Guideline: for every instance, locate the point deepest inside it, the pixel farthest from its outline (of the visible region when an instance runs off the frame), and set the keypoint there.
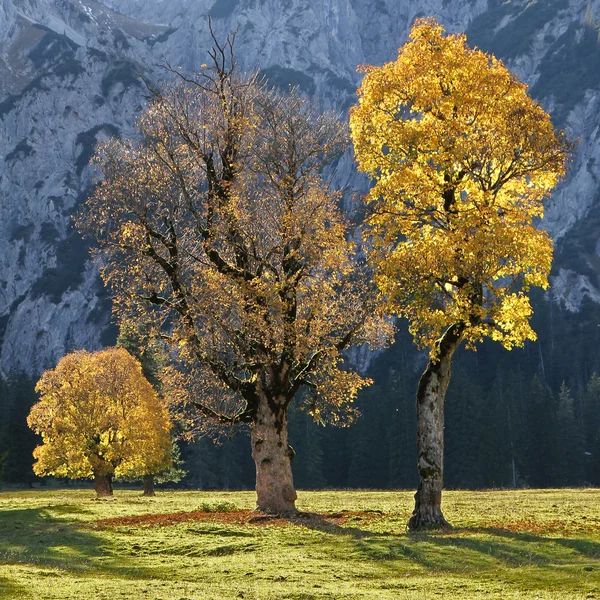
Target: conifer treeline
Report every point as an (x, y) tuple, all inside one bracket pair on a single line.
[(528, 417), (17, 441)]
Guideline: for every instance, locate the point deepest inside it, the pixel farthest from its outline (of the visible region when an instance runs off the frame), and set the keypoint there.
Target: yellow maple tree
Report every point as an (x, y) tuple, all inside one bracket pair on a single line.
[(462, 159), (99, 417)]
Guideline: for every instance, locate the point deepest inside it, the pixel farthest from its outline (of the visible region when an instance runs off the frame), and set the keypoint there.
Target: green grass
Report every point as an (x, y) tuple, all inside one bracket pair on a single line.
[(506, 544)]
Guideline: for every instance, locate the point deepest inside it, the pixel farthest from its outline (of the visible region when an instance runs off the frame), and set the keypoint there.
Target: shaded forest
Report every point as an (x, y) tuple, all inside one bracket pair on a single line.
[(526, 418)]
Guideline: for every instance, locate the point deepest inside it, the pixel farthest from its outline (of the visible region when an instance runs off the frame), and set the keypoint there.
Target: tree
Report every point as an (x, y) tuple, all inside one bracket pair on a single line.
[(307, 464), (462, 159), (151, 357), (201, 457), (145, 349), (18, 441), (497, 435), (591, 425), (570, 441), (462, 436), (218, 230), (99, 417), (541, 453), (171, 471)]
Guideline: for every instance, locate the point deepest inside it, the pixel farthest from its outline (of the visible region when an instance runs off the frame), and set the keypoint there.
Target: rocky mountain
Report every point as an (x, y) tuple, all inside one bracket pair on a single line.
[(69, 77)]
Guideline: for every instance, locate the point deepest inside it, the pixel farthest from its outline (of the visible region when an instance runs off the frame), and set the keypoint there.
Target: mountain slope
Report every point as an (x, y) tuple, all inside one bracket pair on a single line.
[(68, 72), (69, 78)]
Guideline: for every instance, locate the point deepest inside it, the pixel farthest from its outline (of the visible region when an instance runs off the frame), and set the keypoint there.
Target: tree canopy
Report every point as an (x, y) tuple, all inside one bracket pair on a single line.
[(462, 159), (99, 417), (218, 229)]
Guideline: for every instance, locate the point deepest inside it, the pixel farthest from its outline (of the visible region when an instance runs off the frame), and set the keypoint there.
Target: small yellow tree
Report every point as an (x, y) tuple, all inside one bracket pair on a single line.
[(99, 417), (462, 159)]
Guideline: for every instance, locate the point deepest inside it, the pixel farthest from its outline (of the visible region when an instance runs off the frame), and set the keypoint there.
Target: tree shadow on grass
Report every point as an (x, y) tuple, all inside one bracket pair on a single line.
[(585, 547), (450, 551), (35, 537), (534, 561), (426, 549), (68, 509), (328, 524), (501, 545), (10, 589)]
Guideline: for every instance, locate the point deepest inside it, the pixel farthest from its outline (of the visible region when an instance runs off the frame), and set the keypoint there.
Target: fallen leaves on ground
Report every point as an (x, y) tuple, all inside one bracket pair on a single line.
[(238, 517)]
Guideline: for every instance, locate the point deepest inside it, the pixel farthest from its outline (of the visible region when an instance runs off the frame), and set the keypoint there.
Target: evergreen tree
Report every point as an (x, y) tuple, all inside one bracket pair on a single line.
[(138, 343), (234, 464), (19, 440), (175, 473), (369, 437), (591, 425), (3, 403), (569, 468), (3, 422), (402, 427), (541, 449), (463, 456), (496, 447), (515, 422), (305, 438), (359, 475), (337, 453), (200, 459)]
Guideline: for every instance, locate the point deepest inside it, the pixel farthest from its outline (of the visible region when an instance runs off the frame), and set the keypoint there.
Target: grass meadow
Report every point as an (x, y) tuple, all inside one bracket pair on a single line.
[(205, 545)]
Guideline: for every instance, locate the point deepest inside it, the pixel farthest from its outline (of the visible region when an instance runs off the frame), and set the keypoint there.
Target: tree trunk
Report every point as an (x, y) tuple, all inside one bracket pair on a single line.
[(148, 485), (269, 437), (430, 433), (103, 485)]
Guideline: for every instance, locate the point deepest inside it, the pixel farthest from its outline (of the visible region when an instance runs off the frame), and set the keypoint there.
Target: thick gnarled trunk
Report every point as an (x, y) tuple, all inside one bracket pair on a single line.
[(103, 485), (148, 485), (269, 437), (431, 394)]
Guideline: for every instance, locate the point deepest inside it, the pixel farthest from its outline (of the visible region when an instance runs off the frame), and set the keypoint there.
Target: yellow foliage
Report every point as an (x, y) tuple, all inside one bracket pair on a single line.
[(218, 230), (462, 159), (99, 415)]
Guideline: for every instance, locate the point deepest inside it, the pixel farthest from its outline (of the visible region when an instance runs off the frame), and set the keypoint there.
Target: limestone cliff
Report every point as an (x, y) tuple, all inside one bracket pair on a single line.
[(69, 78)]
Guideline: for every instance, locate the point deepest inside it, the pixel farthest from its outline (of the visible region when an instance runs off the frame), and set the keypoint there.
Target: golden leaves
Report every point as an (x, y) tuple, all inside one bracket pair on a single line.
[(99, 415), (217, 227), (462, 159)]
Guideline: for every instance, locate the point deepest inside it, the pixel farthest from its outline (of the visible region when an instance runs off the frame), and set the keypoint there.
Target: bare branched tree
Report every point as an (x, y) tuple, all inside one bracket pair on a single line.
[(217, 229)]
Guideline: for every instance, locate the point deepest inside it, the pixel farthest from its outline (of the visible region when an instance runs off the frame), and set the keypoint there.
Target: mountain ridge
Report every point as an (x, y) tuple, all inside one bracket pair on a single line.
[(69, 79)]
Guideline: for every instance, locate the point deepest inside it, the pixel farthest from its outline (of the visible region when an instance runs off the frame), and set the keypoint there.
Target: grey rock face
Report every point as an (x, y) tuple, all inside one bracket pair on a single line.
[(68, 80), (315, 44)]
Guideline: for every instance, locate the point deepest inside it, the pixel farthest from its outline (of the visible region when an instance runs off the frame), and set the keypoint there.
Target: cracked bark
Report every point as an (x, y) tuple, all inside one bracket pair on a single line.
[(269, 437), (431, 394), (103, 485)]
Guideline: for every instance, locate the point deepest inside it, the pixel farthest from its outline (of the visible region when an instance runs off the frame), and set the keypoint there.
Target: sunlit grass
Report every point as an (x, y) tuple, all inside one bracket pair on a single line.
[(505, 544)]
